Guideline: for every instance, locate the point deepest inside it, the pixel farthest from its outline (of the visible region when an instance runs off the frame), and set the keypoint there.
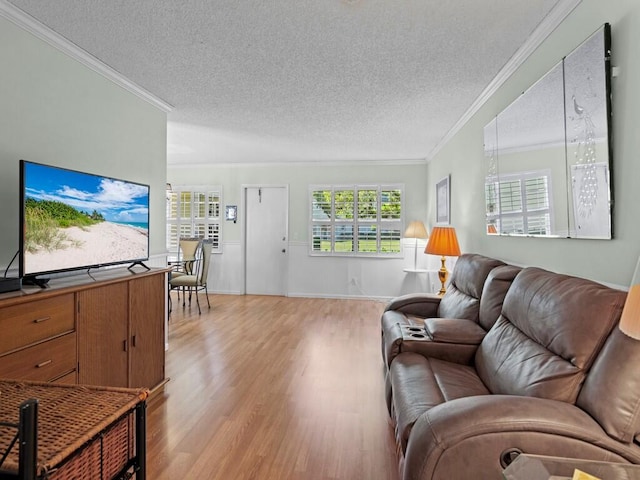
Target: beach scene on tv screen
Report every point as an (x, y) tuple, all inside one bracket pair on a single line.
[(74, 219)]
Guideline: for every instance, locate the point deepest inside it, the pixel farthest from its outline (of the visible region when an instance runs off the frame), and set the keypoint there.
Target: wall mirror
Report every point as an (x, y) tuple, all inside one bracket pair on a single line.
[(548, 154)]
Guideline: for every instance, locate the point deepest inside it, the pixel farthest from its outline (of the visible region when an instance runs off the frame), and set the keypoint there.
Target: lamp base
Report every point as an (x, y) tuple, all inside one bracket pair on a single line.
[(442, 276)]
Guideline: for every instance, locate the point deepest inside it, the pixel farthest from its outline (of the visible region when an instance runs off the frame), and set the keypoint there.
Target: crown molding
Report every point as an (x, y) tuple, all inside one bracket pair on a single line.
[(300, 163), (539, 35), (44, 33)]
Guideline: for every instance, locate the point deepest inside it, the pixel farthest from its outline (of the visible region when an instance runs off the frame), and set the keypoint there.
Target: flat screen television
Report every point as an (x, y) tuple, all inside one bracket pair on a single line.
[(71, 220)]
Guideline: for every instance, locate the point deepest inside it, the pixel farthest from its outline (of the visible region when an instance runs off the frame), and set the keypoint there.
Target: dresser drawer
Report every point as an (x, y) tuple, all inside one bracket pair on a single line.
[(31, 322), (67, 379), (43, 362)]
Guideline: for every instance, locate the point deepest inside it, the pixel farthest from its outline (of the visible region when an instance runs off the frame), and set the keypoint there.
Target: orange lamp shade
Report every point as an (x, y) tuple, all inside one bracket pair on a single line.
[(443, 241), (491, 228)]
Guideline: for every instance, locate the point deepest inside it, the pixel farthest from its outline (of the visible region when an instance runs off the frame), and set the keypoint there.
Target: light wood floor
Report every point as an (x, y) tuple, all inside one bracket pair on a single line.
[(272, 388)]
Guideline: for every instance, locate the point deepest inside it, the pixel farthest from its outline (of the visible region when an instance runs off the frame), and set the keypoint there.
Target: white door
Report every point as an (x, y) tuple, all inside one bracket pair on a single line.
[(266, 240)]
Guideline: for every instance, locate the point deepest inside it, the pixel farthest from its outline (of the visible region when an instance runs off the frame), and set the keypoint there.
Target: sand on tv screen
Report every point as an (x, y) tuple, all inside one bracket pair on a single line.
[(74, 220)]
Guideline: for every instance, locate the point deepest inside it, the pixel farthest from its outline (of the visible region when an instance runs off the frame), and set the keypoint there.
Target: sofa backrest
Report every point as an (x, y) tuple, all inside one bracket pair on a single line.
[(551, 329), (462, 299), (495, 289)]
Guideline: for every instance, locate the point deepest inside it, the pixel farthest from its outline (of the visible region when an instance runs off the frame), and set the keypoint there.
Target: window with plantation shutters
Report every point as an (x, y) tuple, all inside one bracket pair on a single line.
[(520, 203), (356, 220), (194, 213)]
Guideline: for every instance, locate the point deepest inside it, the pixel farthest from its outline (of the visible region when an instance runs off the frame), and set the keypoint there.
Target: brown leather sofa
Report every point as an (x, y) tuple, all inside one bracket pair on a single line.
[(552, 376)]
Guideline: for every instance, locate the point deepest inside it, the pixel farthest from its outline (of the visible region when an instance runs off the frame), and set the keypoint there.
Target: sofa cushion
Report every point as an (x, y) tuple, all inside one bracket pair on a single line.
[(511, 363), (420, 383), (611, 392), (462, 299), (495, 289), (454, 330), (551, 328)]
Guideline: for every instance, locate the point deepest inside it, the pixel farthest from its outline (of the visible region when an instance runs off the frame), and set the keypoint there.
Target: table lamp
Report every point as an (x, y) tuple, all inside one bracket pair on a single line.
[(416, 229), (630, 320), (443, 241)]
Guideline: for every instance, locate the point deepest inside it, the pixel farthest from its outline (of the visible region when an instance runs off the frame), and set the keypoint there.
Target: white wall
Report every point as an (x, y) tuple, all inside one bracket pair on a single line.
[(607, 261), (331, 277), (55, 110), (313, 275)]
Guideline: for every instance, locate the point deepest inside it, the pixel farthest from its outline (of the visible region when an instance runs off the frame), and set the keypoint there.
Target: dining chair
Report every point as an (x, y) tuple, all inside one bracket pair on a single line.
[(187, 247), (197, 280)]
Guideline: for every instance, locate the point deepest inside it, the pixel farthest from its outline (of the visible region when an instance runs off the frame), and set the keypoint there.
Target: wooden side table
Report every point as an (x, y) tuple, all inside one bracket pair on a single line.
[(81, 432)]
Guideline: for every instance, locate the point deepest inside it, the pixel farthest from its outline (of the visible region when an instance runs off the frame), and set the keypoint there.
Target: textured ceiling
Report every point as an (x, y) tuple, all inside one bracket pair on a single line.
[(253, 81)]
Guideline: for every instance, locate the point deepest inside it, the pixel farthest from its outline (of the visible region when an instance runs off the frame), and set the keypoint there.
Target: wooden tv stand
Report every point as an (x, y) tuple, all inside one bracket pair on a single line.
[(105, 328)]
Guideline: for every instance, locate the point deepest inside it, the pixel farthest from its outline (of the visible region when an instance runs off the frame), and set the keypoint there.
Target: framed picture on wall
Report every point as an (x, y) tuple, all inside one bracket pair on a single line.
[(443, 198), (231, 213)]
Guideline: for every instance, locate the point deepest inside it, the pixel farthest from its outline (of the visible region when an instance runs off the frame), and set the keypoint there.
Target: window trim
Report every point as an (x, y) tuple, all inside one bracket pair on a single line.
[(525, 213), (379, 222), (219, 220)]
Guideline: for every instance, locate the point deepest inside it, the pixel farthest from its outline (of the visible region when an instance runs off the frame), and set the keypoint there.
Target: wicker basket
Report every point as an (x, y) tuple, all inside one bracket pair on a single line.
[(83, 432)]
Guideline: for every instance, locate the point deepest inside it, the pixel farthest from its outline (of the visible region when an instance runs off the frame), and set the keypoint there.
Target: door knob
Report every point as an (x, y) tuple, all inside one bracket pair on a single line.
[(283, 250)]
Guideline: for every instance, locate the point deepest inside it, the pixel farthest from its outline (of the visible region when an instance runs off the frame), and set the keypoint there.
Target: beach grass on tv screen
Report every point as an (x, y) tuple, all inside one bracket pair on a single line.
[(45, 221)]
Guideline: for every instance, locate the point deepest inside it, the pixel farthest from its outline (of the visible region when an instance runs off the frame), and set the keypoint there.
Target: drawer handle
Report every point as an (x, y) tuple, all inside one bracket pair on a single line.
[(43, 364), (40, 320)]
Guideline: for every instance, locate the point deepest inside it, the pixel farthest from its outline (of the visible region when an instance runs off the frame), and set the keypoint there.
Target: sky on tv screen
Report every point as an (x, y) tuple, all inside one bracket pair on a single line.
[(116, 200)]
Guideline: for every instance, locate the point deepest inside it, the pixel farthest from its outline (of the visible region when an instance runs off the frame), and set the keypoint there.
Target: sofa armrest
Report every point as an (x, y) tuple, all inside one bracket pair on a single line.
[(449, 352), (420, 304), (396, 341), (466, 437), (454, 330)]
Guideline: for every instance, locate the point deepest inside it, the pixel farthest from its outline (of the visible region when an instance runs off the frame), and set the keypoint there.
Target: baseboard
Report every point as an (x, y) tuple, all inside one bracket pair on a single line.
[(312, 295), (225, 292), (339, 296)]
